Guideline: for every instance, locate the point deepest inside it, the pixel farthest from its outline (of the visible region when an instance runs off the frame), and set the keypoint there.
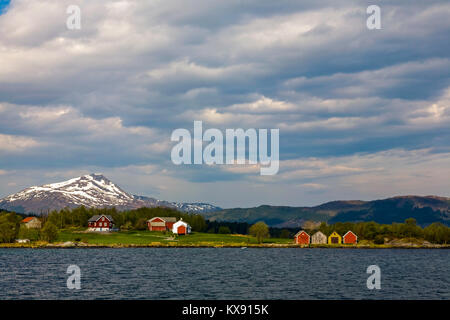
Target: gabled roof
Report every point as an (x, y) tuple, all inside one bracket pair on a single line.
[(98, 216), (318, 233), (166, 219), (181, 222), (301, 232), (350, 231), (27, 219), (334, 234)]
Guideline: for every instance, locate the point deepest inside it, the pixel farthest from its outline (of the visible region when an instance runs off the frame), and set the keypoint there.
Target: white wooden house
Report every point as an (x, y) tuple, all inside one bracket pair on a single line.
[(319, 238), (181, 227)]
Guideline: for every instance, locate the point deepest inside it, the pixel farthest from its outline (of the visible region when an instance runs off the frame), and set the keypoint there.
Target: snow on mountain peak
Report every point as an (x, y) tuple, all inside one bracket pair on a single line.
[(88, 190), (92, 190)]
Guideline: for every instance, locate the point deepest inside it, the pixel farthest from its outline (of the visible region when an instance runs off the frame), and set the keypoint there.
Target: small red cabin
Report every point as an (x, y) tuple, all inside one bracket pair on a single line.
[(302, 237), (161, 223), (350, 238)]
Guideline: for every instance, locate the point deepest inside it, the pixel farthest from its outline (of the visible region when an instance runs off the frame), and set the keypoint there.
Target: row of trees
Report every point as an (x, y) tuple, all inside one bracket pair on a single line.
[(11, 229), (137, 219), (124, 220), (435, 232), (9, 226)]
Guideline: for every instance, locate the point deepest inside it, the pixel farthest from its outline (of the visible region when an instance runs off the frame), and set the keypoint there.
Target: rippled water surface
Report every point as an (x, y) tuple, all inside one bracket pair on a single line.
[(224, 273)]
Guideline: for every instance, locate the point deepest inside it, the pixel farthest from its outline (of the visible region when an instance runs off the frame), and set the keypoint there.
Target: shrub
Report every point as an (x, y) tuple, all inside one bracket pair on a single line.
[(141, 224), (259, 230), (285, 234), (379, 239), (49, 232), (126, 226), (224, 230), (9, 227), (28, 233)]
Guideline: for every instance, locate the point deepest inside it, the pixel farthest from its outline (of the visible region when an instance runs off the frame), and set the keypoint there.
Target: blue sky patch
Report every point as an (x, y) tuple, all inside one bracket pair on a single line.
[(4, 5)]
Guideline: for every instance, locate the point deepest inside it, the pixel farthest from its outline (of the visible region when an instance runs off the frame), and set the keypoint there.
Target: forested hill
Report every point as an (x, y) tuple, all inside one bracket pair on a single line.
[(425, 209)]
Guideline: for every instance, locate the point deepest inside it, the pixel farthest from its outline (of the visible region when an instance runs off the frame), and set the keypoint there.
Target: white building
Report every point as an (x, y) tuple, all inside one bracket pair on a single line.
[(319, 238), (23, 240), (181, 227)]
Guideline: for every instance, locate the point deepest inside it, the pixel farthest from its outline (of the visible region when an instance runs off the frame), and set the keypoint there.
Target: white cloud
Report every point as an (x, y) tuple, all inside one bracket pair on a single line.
[(14, 144), (107, 96)]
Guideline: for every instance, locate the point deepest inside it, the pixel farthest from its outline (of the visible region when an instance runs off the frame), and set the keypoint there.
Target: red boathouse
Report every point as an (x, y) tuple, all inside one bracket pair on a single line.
[(350, 238), (302, 237)]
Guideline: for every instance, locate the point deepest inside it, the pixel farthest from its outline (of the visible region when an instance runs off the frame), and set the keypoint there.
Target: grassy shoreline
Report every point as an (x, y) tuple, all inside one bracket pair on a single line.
[(78, 238)]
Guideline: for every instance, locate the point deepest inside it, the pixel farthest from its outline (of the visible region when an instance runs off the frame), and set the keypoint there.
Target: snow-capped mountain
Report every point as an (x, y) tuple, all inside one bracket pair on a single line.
[(93, 190), (198, 207)]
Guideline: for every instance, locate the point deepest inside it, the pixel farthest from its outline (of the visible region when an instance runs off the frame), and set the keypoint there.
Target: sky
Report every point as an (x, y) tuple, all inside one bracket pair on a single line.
[(3, 5), (363, 114)]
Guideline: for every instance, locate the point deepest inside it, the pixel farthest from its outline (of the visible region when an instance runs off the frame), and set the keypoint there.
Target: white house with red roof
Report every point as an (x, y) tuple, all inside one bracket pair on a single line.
[(181, 227)]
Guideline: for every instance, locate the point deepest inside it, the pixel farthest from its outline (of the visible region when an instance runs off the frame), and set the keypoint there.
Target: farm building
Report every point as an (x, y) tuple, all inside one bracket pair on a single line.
[(302, 237), (334, 238), (319, 238), (350, 238), (32, 223), (161, 223), (181, 227), (100, 223)]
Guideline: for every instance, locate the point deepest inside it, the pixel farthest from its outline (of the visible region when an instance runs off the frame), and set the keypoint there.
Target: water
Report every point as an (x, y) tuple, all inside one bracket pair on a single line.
[(224, 273)]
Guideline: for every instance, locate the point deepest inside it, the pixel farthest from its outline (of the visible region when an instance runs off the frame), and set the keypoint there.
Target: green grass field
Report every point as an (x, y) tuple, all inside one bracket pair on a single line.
[(153, 237)]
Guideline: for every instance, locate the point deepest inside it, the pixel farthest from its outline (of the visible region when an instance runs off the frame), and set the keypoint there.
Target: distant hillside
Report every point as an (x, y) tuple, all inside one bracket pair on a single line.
[(425, 210), (96, 191)]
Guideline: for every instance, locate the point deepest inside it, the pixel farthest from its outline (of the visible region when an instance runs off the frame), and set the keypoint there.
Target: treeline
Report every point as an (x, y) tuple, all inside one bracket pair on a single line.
[(124, 220), (434, 233), (137, 220), (11, 228), (227, 227)]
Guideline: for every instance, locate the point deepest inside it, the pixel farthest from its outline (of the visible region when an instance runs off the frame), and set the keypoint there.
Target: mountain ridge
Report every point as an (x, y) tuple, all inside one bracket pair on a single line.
[(425, 209), (93, 190)]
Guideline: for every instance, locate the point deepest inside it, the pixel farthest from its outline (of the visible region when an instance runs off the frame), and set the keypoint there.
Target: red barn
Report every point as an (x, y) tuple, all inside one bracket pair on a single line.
[(302, 237), (161, 223), (350, 238), (101, 223)]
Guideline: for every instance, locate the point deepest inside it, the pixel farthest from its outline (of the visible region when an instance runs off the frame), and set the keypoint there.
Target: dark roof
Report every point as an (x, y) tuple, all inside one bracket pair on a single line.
[(98, 216), (166, 219)]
